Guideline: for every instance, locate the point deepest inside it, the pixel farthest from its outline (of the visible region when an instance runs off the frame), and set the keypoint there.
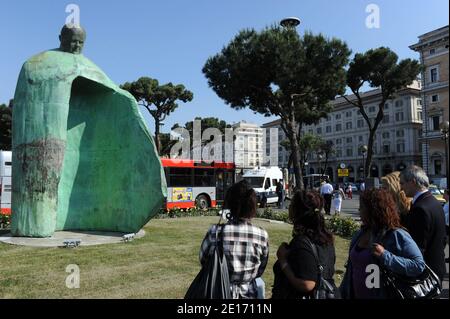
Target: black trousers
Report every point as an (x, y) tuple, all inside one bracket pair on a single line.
[(327, 199)]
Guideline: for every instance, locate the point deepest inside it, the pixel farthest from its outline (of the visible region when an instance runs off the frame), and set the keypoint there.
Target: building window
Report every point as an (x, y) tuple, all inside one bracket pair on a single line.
[(435, 121), (349, 140), (400, 133), (328, 129), (358, 112), (386, 106), (348, 125), (437, 167), (338, 141), (435, 98), (319, 130), (433, 75), (398, 103), (400, 147), (338, 153), (386, 118), (360, 123), (348, 114), (419, 102), (338, 127), (399, 116), (338, 116), (432, 51), (349, 152), (371, 109), (328, 118), (310, 131), (419, 115), (385, 134), (360, 138), (386, 149)]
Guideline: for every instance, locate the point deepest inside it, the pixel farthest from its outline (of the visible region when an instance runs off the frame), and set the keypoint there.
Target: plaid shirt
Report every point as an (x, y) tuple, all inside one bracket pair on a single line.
[(246, 248)]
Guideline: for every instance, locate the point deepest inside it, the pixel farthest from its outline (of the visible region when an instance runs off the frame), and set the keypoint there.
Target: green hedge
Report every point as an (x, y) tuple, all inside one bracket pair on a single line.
[(187, 212), (5, 221), (342, 226)]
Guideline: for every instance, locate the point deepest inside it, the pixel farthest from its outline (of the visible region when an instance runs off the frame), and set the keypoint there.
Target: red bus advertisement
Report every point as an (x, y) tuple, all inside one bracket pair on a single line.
[(193, 183)]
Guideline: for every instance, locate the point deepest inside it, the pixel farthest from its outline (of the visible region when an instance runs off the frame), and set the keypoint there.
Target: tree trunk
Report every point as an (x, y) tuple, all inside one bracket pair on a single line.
[(293, 139), (158, 146), (369, 153)]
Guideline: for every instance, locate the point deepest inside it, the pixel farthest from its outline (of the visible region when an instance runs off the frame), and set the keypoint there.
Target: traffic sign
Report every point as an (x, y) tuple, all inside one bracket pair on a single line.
[(343, 172)]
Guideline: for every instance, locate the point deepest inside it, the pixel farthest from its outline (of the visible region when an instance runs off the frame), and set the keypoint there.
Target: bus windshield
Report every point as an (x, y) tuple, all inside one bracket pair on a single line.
[(255, 182)]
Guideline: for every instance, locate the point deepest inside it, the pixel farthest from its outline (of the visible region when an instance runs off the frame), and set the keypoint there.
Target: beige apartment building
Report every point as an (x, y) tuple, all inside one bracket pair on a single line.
[(248, 150), (433, 50), (396, 144)]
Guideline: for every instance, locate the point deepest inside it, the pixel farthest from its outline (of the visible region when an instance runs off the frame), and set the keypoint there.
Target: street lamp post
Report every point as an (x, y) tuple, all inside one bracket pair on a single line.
[(364, 151), (444, 130)]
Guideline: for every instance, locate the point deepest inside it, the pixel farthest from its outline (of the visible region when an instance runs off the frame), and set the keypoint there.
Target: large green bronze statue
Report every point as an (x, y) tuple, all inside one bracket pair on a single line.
[(83, 158)]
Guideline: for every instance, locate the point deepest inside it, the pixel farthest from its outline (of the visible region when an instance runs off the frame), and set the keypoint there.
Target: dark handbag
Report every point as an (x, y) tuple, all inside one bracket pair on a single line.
[(425, 286), (212, 282), (324, 289)]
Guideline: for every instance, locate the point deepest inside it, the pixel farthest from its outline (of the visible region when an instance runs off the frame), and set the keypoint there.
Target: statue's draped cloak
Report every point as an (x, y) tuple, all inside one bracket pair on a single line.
[(83, 158)]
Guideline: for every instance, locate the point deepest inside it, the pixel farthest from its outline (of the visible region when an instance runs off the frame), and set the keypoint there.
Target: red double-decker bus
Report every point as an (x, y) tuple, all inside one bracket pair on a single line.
[(193, 183)]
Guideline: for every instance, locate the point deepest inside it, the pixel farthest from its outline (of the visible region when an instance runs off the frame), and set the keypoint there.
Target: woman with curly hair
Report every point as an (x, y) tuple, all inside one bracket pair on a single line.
[(296, 271), (381, 241), (391, 183)]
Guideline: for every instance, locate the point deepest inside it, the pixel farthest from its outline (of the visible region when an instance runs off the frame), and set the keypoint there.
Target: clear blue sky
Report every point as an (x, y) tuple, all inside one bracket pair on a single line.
[(171, 40)]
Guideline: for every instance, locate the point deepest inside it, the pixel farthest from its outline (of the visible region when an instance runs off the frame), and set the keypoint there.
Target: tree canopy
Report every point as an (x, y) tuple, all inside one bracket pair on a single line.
[(159, 100), (379, 69), (5, 126), (277, 72)]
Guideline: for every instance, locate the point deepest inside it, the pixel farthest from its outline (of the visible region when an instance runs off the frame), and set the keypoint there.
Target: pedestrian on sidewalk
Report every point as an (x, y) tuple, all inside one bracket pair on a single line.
[(326, 191), (425, 221), (296, 270), (381, 241), (446, 197), (338, 197), (391, 183)]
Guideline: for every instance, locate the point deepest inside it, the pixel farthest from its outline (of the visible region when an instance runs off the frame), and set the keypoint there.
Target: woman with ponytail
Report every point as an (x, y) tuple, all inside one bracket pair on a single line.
[(296, 271), (246, 246)]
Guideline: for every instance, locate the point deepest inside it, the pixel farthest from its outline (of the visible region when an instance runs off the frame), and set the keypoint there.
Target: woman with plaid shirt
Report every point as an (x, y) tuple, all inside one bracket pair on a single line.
[(246, 246)]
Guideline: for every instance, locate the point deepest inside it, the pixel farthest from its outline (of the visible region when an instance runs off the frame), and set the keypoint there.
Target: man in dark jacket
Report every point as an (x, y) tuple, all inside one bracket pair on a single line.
[(425, 221)]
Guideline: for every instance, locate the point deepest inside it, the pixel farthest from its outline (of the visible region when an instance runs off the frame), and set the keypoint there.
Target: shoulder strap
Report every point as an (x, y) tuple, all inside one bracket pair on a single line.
[(316, 255)]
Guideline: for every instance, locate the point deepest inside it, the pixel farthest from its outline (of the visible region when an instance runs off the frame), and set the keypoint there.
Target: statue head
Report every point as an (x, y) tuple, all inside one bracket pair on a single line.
[(72, 39)]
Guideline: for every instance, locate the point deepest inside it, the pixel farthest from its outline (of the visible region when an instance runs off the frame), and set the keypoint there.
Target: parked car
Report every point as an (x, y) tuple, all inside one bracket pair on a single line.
[(437, 193)]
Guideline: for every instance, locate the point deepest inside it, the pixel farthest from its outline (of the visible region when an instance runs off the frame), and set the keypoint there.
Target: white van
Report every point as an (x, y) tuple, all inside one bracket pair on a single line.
[(5, 182), (264, 181)]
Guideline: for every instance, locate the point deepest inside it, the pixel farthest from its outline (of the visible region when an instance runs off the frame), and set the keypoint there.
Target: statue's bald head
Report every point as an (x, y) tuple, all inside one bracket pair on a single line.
[(72, 39)]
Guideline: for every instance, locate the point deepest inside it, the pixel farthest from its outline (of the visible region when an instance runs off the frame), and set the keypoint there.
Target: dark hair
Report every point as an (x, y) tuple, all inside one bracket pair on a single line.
[(241, 201), (305, 214), (381, 209)]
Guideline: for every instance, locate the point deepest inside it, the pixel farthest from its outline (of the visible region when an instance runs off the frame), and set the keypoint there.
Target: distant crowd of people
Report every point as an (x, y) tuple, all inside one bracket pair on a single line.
[(404, 228)]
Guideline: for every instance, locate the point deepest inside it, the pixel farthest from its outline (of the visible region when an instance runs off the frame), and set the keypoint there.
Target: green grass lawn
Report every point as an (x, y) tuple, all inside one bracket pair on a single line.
[(160, 265)]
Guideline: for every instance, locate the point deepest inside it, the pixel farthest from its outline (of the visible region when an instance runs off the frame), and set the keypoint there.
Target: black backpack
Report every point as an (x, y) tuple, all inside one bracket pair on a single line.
[(212, 282)]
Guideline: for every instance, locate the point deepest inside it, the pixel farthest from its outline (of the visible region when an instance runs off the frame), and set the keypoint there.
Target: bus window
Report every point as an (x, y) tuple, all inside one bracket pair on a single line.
[(204, 177), (274, 182), (179, 177)]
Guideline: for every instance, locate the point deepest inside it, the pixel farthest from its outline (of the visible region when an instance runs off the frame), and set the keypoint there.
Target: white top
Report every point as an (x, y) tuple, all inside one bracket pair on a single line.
[(326, 189)]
